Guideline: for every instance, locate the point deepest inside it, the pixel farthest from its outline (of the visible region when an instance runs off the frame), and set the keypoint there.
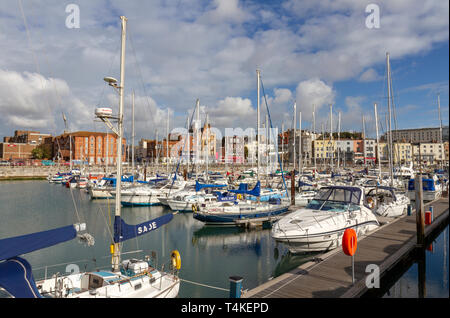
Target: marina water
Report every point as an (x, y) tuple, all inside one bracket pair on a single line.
[(209, 255)]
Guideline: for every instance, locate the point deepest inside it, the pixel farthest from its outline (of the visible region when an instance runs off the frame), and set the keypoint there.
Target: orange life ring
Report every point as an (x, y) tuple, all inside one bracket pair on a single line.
[(349, 242)]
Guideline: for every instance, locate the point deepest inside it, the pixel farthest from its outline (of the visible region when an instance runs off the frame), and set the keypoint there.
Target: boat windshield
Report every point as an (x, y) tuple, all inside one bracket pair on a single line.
[(336, 199)]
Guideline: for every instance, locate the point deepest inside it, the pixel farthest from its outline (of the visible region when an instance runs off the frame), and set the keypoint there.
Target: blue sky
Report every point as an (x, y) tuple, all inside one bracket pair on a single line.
[(309, 52)]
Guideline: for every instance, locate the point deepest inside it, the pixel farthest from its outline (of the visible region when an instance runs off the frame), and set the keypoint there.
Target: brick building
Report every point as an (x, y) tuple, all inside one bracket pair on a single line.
[(96, 148), (21, 145)]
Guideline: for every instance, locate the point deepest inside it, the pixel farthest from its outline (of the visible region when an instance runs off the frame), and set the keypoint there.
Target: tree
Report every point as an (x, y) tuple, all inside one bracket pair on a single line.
[(41, 152)]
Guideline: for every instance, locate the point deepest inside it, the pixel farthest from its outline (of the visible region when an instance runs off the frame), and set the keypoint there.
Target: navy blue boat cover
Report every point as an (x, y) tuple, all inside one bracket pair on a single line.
[(17, 278), (256, 190), (124, 231), (199, 186), (14, 246)]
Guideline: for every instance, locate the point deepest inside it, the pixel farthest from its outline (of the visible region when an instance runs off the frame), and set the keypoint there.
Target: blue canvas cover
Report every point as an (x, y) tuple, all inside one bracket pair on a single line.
[(199, 186), (124, 231), (14, 246), (427, 185), (16, 277)]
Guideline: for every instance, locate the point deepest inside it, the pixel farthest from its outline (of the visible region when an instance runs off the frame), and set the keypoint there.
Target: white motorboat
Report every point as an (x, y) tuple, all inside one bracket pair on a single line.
[(432, 189), (302, 198), (384, 201), (149, 195), (321, 224), (185, 202)]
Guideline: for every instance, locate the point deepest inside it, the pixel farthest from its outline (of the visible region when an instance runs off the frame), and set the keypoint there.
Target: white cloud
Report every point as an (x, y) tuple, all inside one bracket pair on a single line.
[(314, 93), (190, 50), (369, 75)]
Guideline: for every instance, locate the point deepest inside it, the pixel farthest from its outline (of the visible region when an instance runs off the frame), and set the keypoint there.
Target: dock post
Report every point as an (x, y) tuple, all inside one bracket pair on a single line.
[(293, 188), (235, 286)]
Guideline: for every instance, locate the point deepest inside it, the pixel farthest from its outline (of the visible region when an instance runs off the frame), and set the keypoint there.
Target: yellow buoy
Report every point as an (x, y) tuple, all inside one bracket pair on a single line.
[(176, 259)]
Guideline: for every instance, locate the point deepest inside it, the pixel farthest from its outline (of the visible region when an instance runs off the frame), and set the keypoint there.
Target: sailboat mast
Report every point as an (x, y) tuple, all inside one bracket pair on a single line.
[(258, 123), (364, 140), (378, 140), (339, 140), (132, 132), (116, 254), (207, 147), (331, 137), (294, 126), (167, 144), (197, 137), (390, 119), (440, 131), (314, 132), (300, 154)]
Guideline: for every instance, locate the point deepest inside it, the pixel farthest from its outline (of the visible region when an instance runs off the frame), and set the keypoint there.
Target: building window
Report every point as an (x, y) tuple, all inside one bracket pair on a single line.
[(86, 145), (99, 145), (92, 147)]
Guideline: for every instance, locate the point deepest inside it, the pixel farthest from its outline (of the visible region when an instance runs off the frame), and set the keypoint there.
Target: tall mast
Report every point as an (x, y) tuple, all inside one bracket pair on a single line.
[(339, 140), (132, 132), (167, 144), (300, 153), (294, 126), (258, 123), (440, 132), (364, 140), (207, 147), (378, 140), (390, 120), (282, 144), (197, 137), (188, 143), (314, 131), (116, 254), (331, 136)]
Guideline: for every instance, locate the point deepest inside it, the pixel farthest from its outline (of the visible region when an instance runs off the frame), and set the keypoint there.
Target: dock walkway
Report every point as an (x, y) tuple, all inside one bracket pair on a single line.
[(330, 274)]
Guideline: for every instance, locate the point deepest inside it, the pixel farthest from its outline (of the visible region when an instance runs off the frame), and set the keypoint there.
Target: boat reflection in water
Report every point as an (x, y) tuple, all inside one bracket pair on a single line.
[(231, 239), (289, 261)]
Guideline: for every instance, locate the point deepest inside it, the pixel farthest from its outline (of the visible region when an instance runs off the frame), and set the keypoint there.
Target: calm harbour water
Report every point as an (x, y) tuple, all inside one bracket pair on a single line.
[(209, 255)]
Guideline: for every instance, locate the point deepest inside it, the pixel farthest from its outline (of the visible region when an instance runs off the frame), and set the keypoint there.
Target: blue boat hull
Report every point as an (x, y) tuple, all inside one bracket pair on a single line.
[(230, 218)]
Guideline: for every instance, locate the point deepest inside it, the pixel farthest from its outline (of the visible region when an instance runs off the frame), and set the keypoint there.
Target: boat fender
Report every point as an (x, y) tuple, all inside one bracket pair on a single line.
[(194, 208), (176, 259)]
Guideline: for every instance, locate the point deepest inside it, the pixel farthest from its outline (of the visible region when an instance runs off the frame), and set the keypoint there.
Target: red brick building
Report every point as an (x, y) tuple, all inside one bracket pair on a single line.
[(94, 147)]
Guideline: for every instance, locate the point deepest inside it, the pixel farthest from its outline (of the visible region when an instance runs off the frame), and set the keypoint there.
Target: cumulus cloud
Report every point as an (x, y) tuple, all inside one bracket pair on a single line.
[(182, 51), (32, 101), (314, 93)]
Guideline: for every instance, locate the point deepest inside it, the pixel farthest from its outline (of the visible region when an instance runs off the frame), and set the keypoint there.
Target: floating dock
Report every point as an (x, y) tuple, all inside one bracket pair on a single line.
[(330, 274)]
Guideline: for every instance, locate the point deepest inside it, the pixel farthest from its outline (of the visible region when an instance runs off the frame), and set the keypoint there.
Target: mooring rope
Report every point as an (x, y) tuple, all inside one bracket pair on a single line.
[(204, 285)]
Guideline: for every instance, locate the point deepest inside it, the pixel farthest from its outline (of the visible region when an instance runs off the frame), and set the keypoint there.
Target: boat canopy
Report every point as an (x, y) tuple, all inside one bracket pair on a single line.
[(16, 277), (124, 231), (390, 189), (304, 184), (124, 179), (256, 191), (427, 185), (199, 186), (14, 246), (340, 193)]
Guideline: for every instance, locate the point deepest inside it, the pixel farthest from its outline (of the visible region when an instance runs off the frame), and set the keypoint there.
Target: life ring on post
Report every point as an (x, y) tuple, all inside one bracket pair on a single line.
[(194, 208), (239, 196), (349, 242), (176, 259)]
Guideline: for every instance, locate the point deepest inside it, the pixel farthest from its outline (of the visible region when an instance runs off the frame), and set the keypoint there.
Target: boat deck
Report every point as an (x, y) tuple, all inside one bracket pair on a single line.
[(330, 274)]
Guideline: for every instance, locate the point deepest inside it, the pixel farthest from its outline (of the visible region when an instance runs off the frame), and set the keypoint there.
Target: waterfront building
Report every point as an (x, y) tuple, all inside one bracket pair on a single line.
[(430, 153), (402, 153), (95, 148), (21, 145), (416, 135)]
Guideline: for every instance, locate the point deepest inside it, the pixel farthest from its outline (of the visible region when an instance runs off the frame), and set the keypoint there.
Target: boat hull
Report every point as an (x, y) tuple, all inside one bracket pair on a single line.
[(229, 219)]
